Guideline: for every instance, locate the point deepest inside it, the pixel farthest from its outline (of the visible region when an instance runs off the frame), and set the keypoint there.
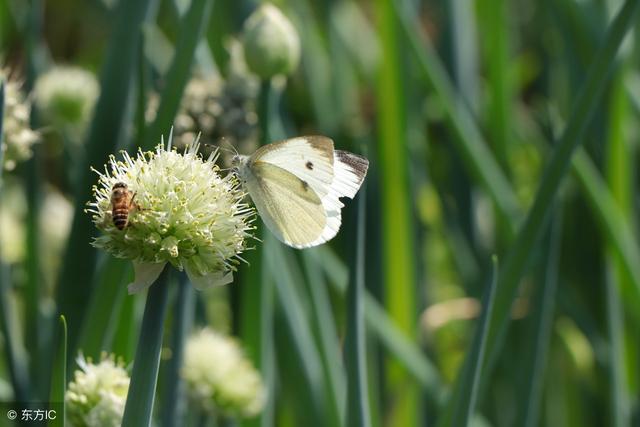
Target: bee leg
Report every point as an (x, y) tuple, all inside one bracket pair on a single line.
[(133, 204)]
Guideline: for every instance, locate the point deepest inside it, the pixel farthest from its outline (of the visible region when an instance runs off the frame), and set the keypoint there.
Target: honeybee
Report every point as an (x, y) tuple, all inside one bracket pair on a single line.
[(122, 201)]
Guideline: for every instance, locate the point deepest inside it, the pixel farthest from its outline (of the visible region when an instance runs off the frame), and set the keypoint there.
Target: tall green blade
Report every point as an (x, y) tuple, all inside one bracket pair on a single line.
[(173, 400), (324, 328), (543, 320), (464, 51), (193, 25), (256, 326), (59, 379), (14, 351), (584, 106), (615, 226), (619, 169), (37, 341), (467, 137), (397, 242), (1, 134), (286, 275), (392, 338), (358, 410), (111, 116), (465, 406), (104, 307), (257, 298), (127, 328), (494, 20), (618, 395), (267, 335)]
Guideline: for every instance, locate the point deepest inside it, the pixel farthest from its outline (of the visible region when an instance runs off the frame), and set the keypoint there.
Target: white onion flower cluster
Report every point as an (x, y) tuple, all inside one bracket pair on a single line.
[(181, 212), (66, 95), (219, 377), (97, 395), (17, 135)]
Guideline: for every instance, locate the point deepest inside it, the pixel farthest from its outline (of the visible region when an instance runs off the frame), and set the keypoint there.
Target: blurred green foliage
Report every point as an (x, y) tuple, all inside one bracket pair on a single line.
[(492, 128)]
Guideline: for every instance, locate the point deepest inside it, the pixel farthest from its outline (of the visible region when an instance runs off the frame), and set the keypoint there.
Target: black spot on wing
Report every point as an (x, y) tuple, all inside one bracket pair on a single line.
[(309, 165)]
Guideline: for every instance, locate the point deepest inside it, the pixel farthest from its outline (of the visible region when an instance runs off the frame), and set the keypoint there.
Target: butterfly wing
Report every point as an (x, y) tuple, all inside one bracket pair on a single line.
[(349, 172), (310, 158), (281, 169), (288, 205)]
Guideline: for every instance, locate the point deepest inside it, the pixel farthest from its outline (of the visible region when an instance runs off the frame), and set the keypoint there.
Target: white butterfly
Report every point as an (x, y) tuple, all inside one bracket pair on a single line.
[(296, 185)]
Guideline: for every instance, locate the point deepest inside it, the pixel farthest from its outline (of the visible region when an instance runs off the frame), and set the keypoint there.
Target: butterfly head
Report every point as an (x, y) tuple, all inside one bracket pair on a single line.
[(239, 165)]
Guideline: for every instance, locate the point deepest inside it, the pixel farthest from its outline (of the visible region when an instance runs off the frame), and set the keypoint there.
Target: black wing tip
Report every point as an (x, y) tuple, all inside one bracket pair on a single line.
[(358, 163)]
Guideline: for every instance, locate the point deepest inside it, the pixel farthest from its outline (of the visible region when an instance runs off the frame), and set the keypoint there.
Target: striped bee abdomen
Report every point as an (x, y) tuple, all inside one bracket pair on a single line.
[(121, 202), (120, 218)]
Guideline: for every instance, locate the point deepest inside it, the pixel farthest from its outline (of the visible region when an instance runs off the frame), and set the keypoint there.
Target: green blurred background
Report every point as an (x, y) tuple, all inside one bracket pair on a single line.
[(492, 127)]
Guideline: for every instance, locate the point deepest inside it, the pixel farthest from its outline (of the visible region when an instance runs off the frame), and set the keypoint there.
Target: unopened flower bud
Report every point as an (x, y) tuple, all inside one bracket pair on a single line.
[(271, 43)]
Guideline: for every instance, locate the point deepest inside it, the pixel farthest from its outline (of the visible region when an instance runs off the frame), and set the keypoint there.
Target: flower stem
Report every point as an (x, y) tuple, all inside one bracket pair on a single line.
[(263, 110), (144, 377), (257, 290), (173, 407)]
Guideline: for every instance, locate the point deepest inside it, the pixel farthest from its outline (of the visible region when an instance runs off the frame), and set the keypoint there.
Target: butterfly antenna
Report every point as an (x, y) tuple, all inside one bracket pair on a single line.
[(225, 149), (227, 146), (213, 154)]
